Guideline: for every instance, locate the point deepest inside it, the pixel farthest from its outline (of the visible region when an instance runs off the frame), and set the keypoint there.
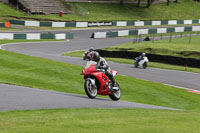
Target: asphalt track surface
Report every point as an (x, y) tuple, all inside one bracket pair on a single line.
[(20, 98), (24, 98)]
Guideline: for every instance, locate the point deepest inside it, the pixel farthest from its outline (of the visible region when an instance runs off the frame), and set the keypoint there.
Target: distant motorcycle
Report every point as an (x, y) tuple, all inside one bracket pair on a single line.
[(87, 56), (96, 82), (142, 63)]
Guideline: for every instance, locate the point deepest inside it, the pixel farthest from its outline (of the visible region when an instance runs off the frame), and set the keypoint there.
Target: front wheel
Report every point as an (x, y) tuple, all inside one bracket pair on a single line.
[(116, 94), (135, 64), (90, 90)]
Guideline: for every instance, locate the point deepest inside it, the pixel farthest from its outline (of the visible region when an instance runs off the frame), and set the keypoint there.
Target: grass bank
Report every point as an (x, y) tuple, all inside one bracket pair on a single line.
[(183, 10), (100, 120), (181, 47), (107, 12)]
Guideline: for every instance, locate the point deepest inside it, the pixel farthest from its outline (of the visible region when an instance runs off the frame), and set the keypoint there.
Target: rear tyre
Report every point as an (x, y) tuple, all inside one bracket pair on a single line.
[(145, 65), (90, 89), (116, 94)]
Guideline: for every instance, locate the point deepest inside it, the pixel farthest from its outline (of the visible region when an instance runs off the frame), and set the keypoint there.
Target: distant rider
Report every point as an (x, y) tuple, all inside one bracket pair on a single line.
[(141, 57), (102, 64), (89, 53), (91, 49)]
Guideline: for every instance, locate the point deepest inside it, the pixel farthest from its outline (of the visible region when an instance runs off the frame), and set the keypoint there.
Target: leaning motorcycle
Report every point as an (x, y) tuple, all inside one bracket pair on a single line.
[(141, 63), (96, 82)]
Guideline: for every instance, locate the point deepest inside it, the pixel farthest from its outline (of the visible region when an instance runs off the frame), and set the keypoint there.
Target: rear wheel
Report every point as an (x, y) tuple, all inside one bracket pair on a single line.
[(116, 94), (145, 65), (90, 90)]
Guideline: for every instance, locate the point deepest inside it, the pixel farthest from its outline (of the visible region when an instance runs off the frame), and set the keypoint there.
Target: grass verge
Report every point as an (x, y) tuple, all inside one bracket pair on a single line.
[(22, 40), (100, 120), (9, 29), (183, 10)]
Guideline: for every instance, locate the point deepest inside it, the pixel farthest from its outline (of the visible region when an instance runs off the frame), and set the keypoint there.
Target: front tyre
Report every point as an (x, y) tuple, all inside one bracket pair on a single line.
[(116, 94), (135, 64), (90, 89)]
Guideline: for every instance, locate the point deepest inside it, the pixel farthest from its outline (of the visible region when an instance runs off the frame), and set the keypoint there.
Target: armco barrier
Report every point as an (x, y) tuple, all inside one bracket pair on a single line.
[(36, 36), (154, 23), (152, 57), (113, 23), (144, 31), (49, 24)]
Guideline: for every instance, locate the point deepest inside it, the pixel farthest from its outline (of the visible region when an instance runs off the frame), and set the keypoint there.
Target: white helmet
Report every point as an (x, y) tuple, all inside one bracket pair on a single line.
[(91, 49), (143, 54)]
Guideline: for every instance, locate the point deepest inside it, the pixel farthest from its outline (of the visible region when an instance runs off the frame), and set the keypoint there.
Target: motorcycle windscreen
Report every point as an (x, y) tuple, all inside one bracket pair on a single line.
[(89, 63), (89, 68)]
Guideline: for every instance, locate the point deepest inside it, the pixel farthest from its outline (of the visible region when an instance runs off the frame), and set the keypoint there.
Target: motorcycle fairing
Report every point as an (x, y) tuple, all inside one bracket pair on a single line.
[(102, 79)]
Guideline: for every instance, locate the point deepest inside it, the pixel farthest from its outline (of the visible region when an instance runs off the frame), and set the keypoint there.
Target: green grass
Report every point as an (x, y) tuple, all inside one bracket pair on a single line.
[(6, 10), (183, 34), (41, 73), (9, 29), (100, 120), (183, 10), (46, 74), (22, 40), (150, 64), (177, 47)]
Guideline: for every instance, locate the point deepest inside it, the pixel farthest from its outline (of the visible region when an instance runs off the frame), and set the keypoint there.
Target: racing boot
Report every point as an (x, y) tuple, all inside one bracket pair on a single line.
[(115, 87), (114, 84)]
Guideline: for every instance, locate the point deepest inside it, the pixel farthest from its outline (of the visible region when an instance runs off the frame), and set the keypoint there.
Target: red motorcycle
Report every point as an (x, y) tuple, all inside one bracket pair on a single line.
[(96, 82)]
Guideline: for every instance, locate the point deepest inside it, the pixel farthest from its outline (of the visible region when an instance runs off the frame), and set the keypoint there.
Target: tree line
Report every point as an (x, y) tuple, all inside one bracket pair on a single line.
[(148, 2)]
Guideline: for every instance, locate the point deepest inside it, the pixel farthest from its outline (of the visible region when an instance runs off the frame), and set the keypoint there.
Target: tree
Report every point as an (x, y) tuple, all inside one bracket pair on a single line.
[(149, 2), (138, 3), (121, 2), (169, 1)]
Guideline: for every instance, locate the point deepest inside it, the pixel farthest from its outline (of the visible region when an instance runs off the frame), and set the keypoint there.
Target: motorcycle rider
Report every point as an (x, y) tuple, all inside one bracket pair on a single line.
[(141, 57), (91, 49), (102, 64), (89, 53)]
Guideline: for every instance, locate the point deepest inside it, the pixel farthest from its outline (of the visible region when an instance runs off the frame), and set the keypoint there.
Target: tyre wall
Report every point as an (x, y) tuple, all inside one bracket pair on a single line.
[(152, 57)]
